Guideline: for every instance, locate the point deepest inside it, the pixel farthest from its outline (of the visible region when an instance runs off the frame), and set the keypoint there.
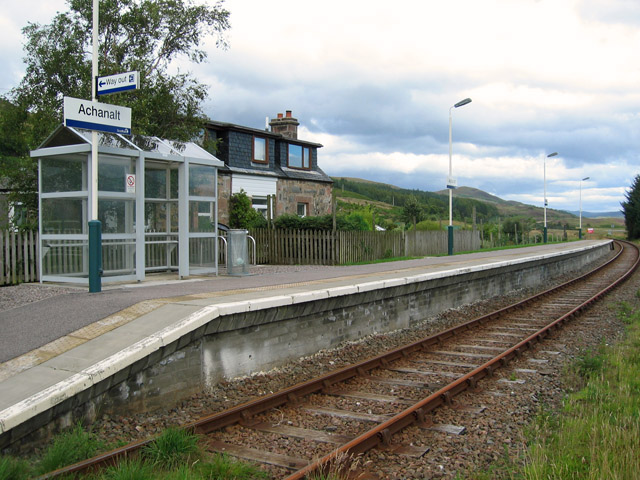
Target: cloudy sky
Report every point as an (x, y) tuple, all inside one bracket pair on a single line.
[(373, 81)]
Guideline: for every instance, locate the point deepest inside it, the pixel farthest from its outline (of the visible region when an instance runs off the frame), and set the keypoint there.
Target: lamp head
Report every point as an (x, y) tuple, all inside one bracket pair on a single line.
[(552, 154), (462, 102), (586, 178)]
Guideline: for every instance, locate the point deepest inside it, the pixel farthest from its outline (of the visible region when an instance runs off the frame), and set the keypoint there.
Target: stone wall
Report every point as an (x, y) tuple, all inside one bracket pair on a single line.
[(317, 195), (224, 195)]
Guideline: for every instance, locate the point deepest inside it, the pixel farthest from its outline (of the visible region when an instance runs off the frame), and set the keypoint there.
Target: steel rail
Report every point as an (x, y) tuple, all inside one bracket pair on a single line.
[(381, 434), (370, 439)]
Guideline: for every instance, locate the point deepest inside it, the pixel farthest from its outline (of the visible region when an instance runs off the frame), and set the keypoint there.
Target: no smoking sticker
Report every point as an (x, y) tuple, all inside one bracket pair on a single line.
[(130, 183)]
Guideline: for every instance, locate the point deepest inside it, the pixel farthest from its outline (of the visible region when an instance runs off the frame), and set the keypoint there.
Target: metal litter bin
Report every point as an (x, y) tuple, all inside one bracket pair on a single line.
[(237, 252)]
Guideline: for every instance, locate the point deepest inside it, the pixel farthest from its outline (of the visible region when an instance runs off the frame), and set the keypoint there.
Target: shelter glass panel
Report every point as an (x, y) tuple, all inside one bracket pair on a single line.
[(202, 181), (64, 257), (64, 174), (116, 215), (155, 181), (112, 173), (201, 217), (63, 215), (118, 257), (202, 252), (161, 217)]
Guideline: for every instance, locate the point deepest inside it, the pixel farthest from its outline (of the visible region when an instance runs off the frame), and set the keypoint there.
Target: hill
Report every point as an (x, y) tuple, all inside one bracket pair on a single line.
[(489, 208)]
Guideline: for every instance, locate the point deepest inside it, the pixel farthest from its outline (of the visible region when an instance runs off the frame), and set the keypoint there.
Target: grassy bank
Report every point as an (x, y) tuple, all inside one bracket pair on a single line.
[(174, 455), (597, 434)]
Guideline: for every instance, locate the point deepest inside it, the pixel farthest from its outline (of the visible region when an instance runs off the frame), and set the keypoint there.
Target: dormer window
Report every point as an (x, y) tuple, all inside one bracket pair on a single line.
[(299, 157), (260, 150)]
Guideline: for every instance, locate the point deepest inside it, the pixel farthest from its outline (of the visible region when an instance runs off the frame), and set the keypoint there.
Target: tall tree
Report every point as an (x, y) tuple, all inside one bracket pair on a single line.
[(142, 35), (631, 210), (18, 173), (412, 211)]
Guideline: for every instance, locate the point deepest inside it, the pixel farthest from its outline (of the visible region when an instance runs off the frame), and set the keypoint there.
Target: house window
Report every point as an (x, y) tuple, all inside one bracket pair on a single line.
[(260, 151), (260, 204), (303, 209), (299, 157)]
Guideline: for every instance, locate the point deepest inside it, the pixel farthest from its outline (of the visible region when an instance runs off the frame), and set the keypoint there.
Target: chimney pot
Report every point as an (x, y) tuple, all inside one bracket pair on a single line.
[(287, 127)]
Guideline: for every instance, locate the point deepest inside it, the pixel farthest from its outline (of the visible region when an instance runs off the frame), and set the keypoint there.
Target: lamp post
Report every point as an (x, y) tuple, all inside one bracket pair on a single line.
[(451, 182), (580, 227), (544, 234)]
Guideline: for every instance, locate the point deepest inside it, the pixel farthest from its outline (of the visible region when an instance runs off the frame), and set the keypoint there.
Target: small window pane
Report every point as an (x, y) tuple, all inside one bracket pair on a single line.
[(259, 150), (306, 160), (302, 209), (295, 156)]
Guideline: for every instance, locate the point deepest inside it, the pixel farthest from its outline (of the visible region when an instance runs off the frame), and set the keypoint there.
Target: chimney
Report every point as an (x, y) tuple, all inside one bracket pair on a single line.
[(287, 126)]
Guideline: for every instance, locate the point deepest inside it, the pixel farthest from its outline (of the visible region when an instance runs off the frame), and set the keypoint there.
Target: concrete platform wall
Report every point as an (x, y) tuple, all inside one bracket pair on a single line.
[(261, 334)]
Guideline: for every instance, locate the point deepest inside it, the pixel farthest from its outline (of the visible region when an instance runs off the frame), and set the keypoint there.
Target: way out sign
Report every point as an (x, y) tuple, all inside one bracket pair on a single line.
[(97, 116), (130, 183), (120, 82)]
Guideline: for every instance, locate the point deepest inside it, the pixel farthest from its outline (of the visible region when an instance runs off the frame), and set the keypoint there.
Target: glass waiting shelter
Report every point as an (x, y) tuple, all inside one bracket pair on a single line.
[(157, 203)]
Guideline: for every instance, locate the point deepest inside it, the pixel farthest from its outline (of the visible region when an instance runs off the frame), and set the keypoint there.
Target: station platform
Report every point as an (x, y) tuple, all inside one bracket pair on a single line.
[(53, 349)]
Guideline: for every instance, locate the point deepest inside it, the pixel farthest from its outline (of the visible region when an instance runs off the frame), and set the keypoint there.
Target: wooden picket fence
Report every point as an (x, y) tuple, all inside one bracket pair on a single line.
[(19, 251), (18, 257), (310, 247)]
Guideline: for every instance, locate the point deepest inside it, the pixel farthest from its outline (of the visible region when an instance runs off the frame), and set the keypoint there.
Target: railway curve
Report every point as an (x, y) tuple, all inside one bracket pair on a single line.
[(359, 399)]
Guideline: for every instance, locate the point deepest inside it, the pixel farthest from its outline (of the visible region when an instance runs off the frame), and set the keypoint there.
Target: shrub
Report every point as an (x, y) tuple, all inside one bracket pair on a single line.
[(242, 214), (428, 225)]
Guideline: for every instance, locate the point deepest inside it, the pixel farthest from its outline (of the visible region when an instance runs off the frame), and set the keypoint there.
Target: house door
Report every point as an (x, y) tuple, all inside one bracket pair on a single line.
[(161, 216)]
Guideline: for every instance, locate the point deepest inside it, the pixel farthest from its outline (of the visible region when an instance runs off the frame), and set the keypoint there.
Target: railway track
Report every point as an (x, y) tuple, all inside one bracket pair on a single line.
[(311, 426)]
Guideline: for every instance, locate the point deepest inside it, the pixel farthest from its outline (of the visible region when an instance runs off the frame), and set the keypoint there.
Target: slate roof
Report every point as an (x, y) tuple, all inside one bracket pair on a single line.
[(275, 168)]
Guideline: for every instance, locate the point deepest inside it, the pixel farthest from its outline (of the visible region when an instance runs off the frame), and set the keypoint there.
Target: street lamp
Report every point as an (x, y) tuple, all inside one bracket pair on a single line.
[(544, 234), (580, 227), (451, 182)]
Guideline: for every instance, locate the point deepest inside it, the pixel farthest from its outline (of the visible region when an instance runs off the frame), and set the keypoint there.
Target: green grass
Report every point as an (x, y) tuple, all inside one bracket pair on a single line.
[(14, 469), (222, 466), (130, 469), (597, 435), (69, 448), (173, 455), (174, 447)]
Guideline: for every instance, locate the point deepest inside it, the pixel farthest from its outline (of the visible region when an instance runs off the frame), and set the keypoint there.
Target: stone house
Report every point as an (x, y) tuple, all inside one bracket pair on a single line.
[(276, 169)]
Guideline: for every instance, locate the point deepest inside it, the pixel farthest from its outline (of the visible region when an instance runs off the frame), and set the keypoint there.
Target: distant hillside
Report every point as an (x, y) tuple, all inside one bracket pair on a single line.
[(487, 205), (469, 192), (617, 214)]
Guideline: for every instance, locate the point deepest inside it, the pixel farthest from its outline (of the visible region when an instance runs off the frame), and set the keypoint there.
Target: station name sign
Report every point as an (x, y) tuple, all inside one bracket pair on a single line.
[(102, 117)]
